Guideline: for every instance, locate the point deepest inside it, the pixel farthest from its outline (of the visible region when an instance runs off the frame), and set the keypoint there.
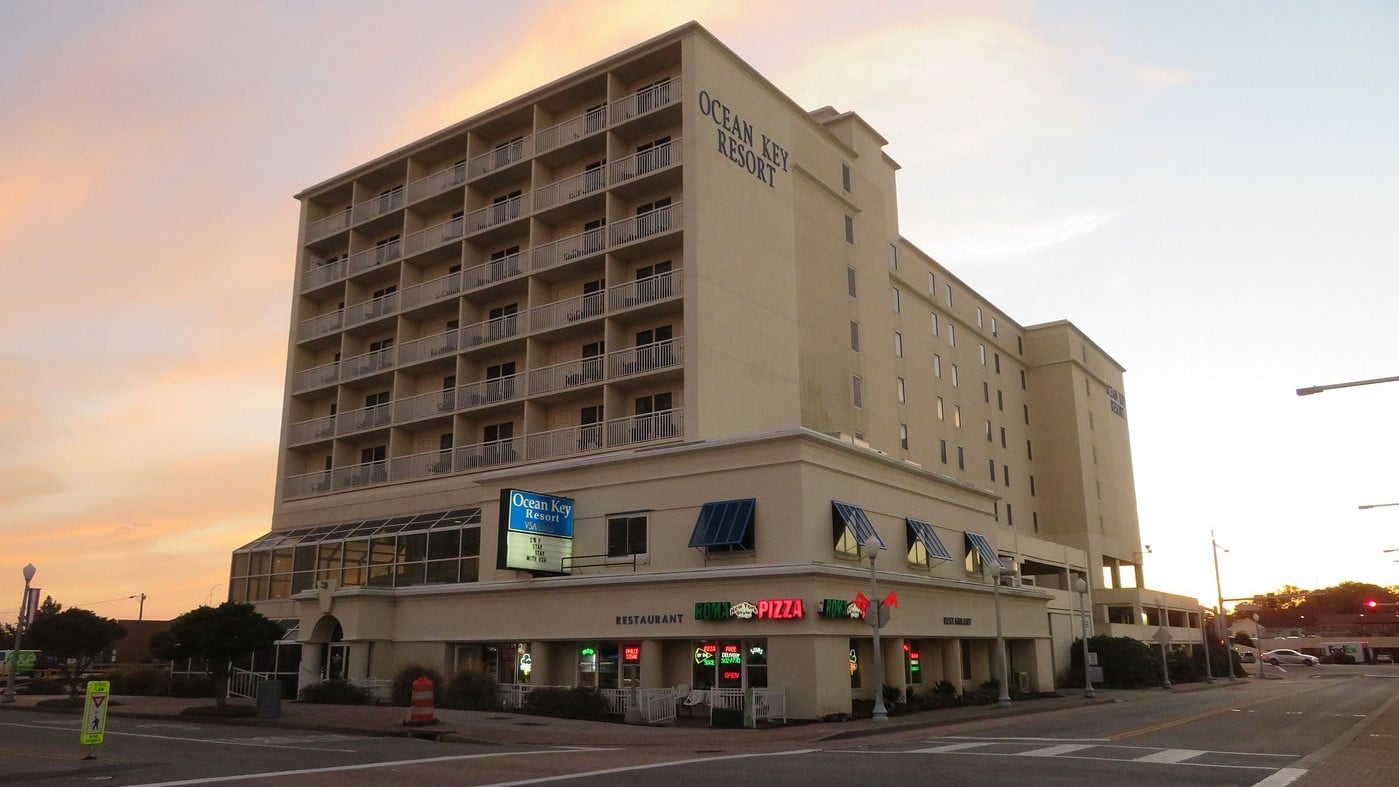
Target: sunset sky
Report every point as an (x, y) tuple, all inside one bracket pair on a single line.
[(1209, 190)]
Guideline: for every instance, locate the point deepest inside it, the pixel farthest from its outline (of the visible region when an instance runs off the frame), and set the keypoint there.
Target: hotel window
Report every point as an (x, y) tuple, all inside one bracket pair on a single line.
[(1022, 380), (898, 345), (845, 177), (849, 230), (952, 334), (857, 391), (961, 459), (901, 390), (1032, 486), (1000, 400), (998, 363), (1035, 517), (1019, 345), (895, 296), (903, 436), (957, 416), (979, 319), (947, 288), (893, 257), (854, 336), (942, 450), (990, 433), (993, 327), (935, 325), (932, 285), (954, 375), (1005, 474), (1003, 437), (1010, 516), (1027, 413), (991, 466), (981, 353), (850, 281), (1030, 450), (1090, 420), (937, 366), (940, 414), (626, 535), (985, 392)]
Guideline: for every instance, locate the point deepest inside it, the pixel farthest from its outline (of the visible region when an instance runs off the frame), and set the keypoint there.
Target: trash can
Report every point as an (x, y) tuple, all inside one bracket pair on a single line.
[(269, 699)]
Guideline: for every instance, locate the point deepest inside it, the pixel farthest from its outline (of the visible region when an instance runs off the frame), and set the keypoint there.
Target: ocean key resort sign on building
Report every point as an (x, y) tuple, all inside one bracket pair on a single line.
[(759, 154), (536, 532)]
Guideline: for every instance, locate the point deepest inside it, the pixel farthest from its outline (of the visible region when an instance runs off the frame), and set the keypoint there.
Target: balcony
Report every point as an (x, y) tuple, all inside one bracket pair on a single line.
[(648, 290), (368, 363), (319, 325), (306, 485), (372, 417), (492, 454), (431, 291), (645, 101), (646, 358), (434, 236), (496, 270), (491, 330), (567, 441), (315, 377), (428, 405), (438, 182), (656, 159), (319, 273), (577, 127), (428, 347), (492, 391), (364, 311), (569, 189), (568, 374), (329, 225), (646, 428), (361, 261), (645, 225), (378, 206), (503, 156), (353, 476), (569, 310), (567, 249), (424, 465), (322, 428), (497, 213)]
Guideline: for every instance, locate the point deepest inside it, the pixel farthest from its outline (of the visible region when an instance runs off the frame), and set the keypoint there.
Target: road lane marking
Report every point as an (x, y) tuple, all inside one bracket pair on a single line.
[(1027, 740), (212, 741), (1283, 776), (1205, 715), (363, 767), (1055, 751), (629, 768), (950, 747), (1171, 756)]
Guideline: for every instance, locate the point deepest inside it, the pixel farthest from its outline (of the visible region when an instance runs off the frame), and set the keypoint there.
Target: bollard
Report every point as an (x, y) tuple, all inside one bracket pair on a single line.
[(420, 713)]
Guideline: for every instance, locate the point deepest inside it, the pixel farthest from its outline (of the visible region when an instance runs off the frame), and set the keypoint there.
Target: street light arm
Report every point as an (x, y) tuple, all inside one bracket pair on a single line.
[(1377, 505), (1316, 389)]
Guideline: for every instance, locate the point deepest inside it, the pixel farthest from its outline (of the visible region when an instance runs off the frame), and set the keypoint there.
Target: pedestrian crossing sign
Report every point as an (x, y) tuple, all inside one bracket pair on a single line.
[(95, 711)]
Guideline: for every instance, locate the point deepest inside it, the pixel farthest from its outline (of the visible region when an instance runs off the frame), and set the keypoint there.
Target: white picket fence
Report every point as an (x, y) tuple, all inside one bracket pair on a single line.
[(658, 706)]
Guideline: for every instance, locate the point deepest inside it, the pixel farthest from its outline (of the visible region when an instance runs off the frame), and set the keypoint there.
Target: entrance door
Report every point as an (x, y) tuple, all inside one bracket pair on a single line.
[(336, 664)]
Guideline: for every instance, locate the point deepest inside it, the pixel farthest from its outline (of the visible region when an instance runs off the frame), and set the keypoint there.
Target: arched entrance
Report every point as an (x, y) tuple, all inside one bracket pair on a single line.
[(328, 641)]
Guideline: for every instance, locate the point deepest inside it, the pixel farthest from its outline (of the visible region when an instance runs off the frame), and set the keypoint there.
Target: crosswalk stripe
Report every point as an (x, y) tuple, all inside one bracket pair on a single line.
[(950, 747), (1054, 751), (1170, 755)]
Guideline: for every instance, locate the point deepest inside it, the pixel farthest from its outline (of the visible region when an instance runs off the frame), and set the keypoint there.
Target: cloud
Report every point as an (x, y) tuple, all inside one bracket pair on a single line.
[(1013, 241)]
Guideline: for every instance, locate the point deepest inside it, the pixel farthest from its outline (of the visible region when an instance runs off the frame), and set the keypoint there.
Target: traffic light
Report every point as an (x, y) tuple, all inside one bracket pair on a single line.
[(1371, 603)]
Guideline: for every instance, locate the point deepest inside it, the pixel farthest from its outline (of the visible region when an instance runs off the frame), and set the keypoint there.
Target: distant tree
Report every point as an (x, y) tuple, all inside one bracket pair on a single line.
[(7, 636), (220, 634), (1243, 638), (74, 637), (162, 646)]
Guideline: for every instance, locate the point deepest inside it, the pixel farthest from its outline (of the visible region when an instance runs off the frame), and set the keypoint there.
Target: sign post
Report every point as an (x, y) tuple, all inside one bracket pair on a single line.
[(95, 714)]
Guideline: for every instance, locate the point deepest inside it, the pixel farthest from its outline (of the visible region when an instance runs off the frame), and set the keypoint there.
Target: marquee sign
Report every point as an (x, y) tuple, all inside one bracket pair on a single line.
[(763, 609), (536, 532), (758, 154)]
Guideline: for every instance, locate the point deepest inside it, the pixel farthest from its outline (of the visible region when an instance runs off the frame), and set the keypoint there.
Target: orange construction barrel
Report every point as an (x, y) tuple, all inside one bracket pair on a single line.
[(420, 712)]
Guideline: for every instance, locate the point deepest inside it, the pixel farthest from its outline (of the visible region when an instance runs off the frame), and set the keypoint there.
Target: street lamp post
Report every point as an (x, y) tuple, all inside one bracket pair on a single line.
[(9, 695), (1219, 609), (1316, 389), (881, 714), (1205, 635), (1003, 700), (1163, 637), (1258, 640), (1082, 587)]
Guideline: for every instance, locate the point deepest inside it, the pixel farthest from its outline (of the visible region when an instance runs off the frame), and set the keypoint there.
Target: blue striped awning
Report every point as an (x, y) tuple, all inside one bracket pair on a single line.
[(723, 524), (854, 519), (929, 539), (983, 547)]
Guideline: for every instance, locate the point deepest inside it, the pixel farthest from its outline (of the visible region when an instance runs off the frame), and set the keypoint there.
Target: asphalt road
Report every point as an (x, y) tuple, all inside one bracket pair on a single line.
[(1259, 736)]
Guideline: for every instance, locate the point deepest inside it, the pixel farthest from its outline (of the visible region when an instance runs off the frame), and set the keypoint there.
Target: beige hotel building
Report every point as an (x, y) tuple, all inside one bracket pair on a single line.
[(673, 311)]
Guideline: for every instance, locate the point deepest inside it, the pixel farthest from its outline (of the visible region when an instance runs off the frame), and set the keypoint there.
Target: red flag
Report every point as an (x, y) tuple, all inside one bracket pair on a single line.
[(891, 600), (862, 602)]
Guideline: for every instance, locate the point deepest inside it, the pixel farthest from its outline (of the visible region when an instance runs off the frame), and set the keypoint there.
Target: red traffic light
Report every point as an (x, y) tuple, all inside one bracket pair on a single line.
[(1371, 603)]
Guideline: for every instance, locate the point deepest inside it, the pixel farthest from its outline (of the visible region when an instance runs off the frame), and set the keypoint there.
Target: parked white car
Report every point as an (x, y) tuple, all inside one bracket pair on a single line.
[(1286, 656)]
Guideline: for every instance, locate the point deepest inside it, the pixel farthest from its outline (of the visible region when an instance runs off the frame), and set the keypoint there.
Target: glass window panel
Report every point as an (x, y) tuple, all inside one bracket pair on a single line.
[(238, 590), (302, 580), (443, 571), (305, 559), (443, 544), (281, 586), (257, 588), (382, 551), (413, 547), (408, 574), (240, 565), (281, 561), (471, 542), (470, 569), (380, 577), (328, 558), (259, 562)]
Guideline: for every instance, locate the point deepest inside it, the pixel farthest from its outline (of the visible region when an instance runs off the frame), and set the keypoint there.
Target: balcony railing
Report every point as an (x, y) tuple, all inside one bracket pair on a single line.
[(372, 417), (650, 427), (492, 454), (364, 311), (306, 485), (321, 272), (656, 159), (378, 206), (569, 310), (424, 465), (567, 441), (354, 476), (566, 375), (319, 325), (438, 182), (328, 225), (368, 363), (431, 291), (434, 236), (645, 225), (428, 405), (566, 249), (428, 347), (496, 270), (491, 330), (569, 189), (315, 377), (497, 213), (362, 261), (645, 100), (643, 291), (502, 156), (311, 430), (577, 127), (646, 358), (492, 391)]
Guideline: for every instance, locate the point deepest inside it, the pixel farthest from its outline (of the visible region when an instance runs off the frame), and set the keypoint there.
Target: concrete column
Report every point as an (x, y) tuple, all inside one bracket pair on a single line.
[(359, 661), (952, 663), (309, 673), (653, 666)]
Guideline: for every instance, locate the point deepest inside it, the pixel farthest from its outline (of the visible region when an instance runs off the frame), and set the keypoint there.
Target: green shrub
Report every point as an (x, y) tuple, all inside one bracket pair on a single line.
[(403, 684), (192, 686), (944, 689), (471, 690), (335, 692), (1127, 663), (142, 681), (1183, 669), (579, 702)]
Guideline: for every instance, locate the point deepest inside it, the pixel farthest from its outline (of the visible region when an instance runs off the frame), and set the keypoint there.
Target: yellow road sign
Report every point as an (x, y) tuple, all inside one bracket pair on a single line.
[(95, 711)]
